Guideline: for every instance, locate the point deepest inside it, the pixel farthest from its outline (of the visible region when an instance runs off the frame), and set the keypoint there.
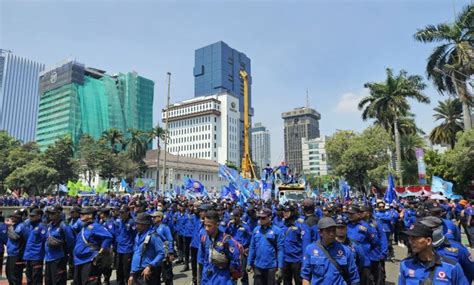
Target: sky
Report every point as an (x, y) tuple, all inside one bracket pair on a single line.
[(326, 48)]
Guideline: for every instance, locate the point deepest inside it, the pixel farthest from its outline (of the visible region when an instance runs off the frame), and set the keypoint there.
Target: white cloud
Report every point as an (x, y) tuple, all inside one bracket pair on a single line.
[(347, 103)]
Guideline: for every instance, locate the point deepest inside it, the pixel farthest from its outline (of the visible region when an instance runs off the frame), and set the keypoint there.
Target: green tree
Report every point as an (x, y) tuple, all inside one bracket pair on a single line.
[(360, 158), (388, 102), (89, 157), (60, 156), (449, 113), (137, 145), (7, 144), (34, 177), (114, 137), (451, 64)]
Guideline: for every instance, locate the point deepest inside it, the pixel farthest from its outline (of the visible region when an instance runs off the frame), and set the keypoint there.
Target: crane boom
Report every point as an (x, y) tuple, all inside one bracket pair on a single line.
[(247, 166)]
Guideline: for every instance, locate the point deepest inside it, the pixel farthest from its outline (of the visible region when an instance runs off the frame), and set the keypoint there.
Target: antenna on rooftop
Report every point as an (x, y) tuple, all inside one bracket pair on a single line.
[(307, 99)]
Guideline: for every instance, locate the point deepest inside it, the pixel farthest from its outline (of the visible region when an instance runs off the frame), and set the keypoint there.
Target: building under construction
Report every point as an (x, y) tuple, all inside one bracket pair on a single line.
[(77, 100)]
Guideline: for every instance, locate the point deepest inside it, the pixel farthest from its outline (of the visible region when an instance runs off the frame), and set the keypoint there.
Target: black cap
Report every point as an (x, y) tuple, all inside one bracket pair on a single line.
[(36, 212), (365, 208), (432, 222), (340, 222), (418, 229), (326, 222), (433, 206), (205, 207), (235, 212), (124, 209), (88, 210), (353, 209), (143, 218), (17, 214), (52, 209), (289, 208), (265, 212), (104, 211), (75, 209)]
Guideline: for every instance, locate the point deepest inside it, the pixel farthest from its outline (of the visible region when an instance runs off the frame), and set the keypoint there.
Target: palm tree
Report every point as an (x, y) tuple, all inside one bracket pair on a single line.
[(452, 63), (157, 133), (114, 137), (388, 102), (450, 112), (137, 145)]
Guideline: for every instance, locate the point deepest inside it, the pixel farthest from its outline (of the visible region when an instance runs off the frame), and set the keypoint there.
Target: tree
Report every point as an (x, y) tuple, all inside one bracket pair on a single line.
[(33, 177), (360, 158), (450, 114), (89, 157), (114, 137), (451, 64), (388, 102), (7, 144), (137, 145), (60, 156), (157, 133)]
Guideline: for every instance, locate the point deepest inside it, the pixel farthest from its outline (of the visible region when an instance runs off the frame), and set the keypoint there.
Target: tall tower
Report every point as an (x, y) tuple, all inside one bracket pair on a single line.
[(300, 123), (216, 70), (260, 145), (19, 97)]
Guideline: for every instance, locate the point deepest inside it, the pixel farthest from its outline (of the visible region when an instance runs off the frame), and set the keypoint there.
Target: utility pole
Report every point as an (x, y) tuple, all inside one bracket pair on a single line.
[(165, 175)]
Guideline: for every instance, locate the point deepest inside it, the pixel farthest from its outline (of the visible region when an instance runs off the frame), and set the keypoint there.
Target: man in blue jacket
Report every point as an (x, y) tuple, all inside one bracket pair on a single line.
[(18, 233), (266, 250), (59, 245), (164, 233), (91, 242), (148, 253), (426, 266), (240, 231), (126, 232), (328, 261), (34, 249)]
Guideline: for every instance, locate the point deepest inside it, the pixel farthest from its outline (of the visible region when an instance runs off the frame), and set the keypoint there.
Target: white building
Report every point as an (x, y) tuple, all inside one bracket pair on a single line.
[(260, 138), (314, 156), (205, 127), (179, 167)]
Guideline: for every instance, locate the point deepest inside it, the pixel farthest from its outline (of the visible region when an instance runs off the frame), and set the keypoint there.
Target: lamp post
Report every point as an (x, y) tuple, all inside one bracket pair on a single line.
[(166, 133)]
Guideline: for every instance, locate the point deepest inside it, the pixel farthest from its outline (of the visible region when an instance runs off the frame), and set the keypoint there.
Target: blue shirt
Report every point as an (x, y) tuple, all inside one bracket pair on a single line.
[(412, 271), (266, 248), (198, 227), (153, 253), (125, 238), (90, 239), (166, 237), (3, 236), (240, 233), (457, 252), (297, 238), (317, 268), (451, 231), (34, 248), (360, 233), (14, 247), (219, 276), (64, 233)]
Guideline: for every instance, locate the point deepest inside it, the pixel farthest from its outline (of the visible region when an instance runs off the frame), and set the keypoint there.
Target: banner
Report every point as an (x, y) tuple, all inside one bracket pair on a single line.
[(421, 165)]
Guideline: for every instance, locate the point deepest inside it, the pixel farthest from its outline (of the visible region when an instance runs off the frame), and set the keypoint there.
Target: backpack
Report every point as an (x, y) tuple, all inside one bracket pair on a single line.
[(237, 273)]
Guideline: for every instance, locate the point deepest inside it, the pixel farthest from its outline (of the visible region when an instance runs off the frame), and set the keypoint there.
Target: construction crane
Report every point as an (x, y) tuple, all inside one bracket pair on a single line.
[(247, 167)]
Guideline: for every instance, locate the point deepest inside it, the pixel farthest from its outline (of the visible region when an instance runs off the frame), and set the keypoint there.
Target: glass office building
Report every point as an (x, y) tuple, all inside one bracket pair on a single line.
[(77, 100), (19, 97)]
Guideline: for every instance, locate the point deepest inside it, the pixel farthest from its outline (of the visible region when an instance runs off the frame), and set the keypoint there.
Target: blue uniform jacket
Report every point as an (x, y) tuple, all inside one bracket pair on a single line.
[(3, 237), (363, 236), (89, 240), (297, 238), (198, 226), (451, 231), (34, 248), (182, 220), (379, 248), (278, 222), (211, 274), (125, 238), (240, 233), (165, 235), (385, 219), (62, 232), (447, 271), (409, 218), (457, 252), (319, 270), (153, 254), (168, 218), (13, 247), (266, 248)]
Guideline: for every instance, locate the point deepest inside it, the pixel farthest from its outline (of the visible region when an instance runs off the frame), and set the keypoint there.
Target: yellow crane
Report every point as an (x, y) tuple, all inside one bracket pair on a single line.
[(247, 166)]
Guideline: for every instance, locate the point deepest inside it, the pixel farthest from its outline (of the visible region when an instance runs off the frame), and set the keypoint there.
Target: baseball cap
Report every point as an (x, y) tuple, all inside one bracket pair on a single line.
[(326, 222), (36, 212), (157, 214), (17, 214), (353, 209), (418, 229), (143, 218), (265, 212), (88, 210)]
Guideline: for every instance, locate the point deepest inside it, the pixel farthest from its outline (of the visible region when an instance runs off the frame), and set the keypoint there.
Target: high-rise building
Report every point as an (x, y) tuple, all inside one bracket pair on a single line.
[(260, 145), (19, 97), (315, 160), (77, 100), (205, 127), (298, 124), (217, 69)]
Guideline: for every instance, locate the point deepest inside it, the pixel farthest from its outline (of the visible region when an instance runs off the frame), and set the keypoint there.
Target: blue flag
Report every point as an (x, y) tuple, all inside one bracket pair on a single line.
[(194, 186), (390, 193), (344, 189), (228, 173), (63, 188), (439, 185)]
